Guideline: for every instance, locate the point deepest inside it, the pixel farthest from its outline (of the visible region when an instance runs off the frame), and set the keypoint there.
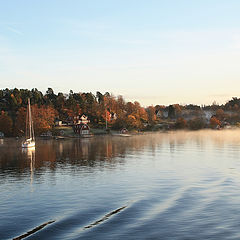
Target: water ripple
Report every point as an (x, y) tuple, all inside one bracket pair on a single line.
[(36, 229)]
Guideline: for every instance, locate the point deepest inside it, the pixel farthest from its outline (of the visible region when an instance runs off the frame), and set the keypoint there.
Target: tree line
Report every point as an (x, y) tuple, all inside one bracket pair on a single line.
[(99, 107)]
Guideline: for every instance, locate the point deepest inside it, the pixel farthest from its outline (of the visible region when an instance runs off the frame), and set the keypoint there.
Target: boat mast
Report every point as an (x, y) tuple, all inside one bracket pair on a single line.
[(29, 123), (26, 125), (32, 129), (31, 133)]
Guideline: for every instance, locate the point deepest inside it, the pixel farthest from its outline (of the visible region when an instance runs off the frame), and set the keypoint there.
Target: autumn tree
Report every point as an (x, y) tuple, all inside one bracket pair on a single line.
[(180, 123), (43, 118), (214, 122), (132, 122)]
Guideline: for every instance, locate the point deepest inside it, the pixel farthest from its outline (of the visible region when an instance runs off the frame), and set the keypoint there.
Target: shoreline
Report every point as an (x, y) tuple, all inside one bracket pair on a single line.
[(117, 134)]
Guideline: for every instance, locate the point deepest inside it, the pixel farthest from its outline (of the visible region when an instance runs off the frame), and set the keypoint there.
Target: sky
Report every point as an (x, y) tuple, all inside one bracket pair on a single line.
[(150, 51)]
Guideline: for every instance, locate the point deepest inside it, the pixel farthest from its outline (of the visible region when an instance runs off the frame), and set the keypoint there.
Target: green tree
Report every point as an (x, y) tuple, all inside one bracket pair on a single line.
[(171, 112), (196, 123), (5, 124)]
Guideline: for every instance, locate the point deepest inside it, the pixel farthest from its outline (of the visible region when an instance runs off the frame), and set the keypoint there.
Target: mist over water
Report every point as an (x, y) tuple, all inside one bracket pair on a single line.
[(173, 185)]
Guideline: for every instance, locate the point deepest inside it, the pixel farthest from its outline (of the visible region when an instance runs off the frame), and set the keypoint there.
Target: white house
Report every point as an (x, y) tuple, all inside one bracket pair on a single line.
[(84, 119)]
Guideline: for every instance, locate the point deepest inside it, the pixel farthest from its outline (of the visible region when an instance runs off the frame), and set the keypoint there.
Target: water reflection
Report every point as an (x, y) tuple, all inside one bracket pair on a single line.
[(30, 156), (144, 185), (104, 151)]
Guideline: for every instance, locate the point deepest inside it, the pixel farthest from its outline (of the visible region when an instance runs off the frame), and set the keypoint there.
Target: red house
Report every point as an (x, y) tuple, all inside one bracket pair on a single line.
[(81, 126), (82, 129)]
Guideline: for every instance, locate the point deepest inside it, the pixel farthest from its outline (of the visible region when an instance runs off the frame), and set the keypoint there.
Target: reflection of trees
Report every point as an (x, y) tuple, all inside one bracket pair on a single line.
[(89, 152), (50, 155), (101, 152)]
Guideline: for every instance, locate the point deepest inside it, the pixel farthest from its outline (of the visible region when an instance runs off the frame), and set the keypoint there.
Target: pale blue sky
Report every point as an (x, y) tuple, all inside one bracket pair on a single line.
[(155, 52)]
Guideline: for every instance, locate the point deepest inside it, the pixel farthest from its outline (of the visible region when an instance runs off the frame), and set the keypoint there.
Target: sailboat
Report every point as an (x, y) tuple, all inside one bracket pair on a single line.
[(30, 140)]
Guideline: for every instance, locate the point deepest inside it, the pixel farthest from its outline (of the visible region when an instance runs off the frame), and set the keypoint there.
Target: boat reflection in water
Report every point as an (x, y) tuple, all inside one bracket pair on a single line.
[(30, 155)]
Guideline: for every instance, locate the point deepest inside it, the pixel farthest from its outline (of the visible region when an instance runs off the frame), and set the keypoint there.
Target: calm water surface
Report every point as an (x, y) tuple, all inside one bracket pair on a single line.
[(176, 185)]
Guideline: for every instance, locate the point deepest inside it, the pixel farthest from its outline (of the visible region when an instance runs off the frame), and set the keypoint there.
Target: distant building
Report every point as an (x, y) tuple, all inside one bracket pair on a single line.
[(81, 119), (162, 113), (159, 113), (84, 119), (58, 123), (113, 116), (82, 129), (81, 125)]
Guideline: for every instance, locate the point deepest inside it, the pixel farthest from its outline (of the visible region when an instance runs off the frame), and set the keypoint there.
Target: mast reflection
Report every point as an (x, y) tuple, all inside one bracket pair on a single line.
[(30, 153)]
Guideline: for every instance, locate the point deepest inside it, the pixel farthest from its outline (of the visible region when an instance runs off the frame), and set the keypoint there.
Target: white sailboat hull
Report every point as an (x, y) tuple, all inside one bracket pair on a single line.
[(28, 144)]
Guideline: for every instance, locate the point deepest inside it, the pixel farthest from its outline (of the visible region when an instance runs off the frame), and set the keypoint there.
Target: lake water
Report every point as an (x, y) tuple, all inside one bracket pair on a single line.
[(176, 185)]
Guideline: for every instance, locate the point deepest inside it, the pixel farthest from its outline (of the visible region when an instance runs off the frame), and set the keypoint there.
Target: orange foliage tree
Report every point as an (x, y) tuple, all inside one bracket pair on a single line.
[(132, 122), (43, 118), (214, 122)]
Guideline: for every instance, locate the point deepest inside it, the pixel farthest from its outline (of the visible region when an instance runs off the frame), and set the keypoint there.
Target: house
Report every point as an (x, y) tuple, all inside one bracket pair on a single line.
[(162, 113), (80, 119), (159, 113), (84, 119), (82, 129), (58, 123), (81, 126), (113, 116)]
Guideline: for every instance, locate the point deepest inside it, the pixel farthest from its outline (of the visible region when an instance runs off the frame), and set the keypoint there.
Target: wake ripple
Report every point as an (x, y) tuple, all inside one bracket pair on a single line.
[(105, 217), (36, 229)]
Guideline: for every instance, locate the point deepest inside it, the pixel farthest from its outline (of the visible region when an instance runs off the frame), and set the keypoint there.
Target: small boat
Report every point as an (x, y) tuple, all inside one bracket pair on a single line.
[(30, 140), (124, 135), (121, 135), (60, 138)]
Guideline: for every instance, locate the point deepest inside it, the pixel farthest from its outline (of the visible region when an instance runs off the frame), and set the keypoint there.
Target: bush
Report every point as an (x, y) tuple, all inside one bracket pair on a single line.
[(180, 123), (196, 123)]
